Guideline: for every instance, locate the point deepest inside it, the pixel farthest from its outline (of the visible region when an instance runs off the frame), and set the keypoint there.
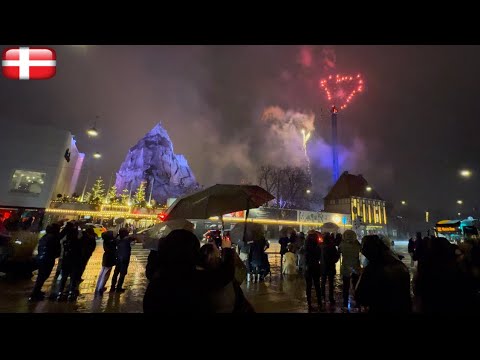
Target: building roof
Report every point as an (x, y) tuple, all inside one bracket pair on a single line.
[(349, 185)]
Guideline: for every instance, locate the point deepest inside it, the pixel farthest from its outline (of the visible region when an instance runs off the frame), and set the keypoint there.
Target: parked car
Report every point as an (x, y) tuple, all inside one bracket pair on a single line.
[(97, 228), (17, 253)]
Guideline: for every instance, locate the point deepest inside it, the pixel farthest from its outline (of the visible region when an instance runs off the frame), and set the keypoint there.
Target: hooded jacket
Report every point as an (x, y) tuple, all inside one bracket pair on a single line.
[(350, 250)]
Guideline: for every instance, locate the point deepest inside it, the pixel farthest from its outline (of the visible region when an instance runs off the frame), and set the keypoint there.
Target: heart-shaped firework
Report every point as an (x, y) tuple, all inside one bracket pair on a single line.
[(341, 89)]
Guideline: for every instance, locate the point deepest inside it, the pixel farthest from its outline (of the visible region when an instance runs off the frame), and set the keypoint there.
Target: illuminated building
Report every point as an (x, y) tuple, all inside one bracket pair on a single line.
[(352, 195), (37, 163)]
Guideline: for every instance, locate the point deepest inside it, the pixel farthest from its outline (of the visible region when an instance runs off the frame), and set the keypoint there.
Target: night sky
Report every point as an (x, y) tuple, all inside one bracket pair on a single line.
[(410, 131)]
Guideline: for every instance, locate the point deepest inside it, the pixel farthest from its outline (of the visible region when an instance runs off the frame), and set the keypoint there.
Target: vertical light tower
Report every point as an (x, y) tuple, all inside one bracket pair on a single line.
[(339, 90), (335, 168)]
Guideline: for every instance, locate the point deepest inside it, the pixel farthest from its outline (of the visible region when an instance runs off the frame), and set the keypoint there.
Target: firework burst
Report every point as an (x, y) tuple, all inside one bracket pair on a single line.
[(341, 89)]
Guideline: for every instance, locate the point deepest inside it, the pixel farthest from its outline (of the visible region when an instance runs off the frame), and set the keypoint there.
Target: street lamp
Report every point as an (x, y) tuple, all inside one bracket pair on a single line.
[(368, 188), (92, 132), (308, 191), (404, 202), (465, 173), (459, 202), (459, 214), (96, 155)]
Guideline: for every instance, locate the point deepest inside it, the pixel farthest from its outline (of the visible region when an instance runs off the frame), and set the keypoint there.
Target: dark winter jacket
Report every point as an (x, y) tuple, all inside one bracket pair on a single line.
[(312, 254), (124, 249), (110, 249), (173, 291), (257, 252), (329, 258), (48, 247), (411, 246), (88, 245), (284, 241), (384, 285), (438, 284)]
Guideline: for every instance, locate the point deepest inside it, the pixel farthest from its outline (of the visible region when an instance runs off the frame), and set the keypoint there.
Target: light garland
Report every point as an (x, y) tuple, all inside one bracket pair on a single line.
[(101, 213), (274, 222)]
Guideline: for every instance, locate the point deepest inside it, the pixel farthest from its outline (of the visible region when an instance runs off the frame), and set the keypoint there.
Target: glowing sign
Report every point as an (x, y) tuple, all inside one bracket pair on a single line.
[(446, 229)]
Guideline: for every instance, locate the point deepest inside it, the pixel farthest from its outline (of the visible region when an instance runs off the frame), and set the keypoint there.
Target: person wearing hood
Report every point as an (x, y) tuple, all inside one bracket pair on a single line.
[(290, 261), (108, 261), (350, 267), (384, 285), (124, 250), (328, 269), (177, 284), (438, 284), (71, 262), (389, 244), (48, 250), (230, 298), (313, 255)]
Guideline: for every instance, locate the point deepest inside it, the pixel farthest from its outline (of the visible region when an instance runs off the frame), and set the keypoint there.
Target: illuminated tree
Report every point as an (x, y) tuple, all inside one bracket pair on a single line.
[(111, 197), (97, 194), (140, 195)]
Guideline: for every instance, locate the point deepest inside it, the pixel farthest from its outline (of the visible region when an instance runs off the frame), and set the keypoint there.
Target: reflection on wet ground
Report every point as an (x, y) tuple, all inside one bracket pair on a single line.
[(274, 295)]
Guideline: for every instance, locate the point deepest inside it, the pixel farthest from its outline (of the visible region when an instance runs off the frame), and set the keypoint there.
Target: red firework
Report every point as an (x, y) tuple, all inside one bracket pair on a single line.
[(341, 89)]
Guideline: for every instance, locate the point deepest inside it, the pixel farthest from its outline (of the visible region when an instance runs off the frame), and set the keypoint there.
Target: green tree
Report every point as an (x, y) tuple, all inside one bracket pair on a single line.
[(140, 195), (97, 194), (111, 197)]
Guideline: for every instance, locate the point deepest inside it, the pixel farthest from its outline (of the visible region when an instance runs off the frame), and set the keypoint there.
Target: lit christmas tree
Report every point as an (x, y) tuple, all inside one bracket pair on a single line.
[(111, 197), (140, 195), (97, 193)]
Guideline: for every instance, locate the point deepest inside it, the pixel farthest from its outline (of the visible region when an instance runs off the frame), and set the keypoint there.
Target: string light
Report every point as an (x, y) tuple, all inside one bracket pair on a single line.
[(275, 221), (102, 213)]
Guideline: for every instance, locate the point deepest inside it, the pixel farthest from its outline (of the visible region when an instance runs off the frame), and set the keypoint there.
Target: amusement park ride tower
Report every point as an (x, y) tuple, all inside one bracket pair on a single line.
[(336, 170), (340, 90)]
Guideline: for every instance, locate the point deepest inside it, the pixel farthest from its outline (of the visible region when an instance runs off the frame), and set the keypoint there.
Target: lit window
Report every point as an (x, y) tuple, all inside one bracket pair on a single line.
[(28, 182)]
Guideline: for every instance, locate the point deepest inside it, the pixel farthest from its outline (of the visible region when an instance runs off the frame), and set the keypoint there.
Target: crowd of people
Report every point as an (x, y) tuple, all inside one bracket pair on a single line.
[(184, 277), (446, 278), (73, 247)]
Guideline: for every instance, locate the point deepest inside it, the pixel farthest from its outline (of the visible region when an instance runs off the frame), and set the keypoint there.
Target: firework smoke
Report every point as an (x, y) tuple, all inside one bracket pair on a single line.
[(305, 57), (305, 138), (285, 141), (329, 59)]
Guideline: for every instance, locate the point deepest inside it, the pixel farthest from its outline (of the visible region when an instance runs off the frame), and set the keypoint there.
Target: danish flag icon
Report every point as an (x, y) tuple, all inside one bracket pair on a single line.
[(24, 63)]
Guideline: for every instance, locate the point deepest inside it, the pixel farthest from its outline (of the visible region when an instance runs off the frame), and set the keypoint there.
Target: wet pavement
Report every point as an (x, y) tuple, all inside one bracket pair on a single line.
[(274, 295)]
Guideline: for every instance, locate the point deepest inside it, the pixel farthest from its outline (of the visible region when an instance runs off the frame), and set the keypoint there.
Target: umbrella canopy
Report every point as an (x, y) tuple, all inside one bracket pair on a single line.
[(218, 200), (252, 232), (152, 235), (329, 227), (286, 230)]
